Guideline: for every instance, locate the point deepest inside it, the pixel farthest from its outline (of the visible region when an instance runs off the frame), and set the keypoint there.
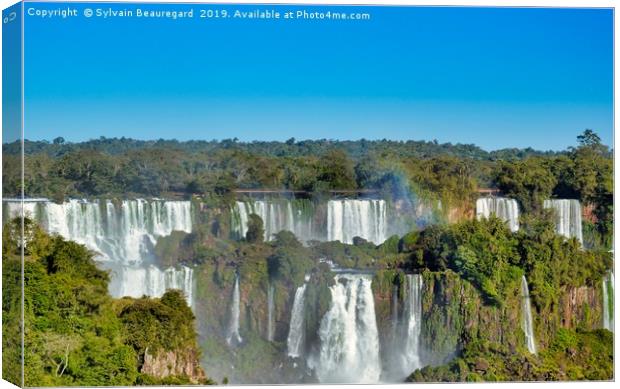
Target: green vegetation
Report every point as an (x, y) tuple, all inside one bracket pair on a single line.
[(76, 334), (574, 355), (487, 254), (256, 231), (427, 170)]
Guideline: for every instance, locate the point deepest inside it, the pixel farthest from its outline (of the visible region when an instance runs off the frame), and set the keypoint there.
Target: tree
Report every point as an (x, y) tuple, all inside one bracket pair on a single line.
[(337, 170), (530, 181), (58, 141), (589, 138), (256, 230)]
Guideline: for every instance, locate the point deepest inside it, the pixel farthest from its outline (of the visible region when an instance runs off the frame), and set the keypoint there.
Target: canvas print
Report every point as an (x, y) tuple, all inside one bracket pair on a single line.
[(201, 194)]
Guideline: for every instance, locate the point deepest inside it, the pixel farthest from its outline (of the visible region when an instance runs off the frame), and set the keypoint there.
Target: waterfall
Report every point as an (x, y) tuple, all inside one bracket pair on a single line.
[(233, 328), (349, 349), (411, 358), (608, 304), (296, 216), (12, 208), (122, 234), (296, 331), (527, 323), (270, 315), (151, 281), (347, 219), (504, 208), (567, 216), (394, 312)]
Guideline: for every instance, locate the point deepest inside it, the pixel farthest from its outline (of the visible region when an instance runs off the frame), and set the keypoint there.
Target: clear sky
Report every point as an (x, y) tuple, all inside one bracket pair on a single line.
[(493, 77)]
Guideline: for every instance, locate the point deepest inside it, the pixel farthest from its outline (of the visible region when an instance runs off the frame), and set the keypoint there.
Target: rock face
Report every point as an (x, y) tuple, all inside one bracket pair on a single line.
[(174, 363), (454, 314), (581, 306)]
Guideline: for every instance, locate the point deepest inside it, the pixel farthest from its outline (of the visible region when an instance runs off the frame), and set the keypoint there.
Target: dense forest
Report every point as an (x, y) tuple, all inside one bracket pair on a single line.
[(76, 334), (453, 173), (471, 271)]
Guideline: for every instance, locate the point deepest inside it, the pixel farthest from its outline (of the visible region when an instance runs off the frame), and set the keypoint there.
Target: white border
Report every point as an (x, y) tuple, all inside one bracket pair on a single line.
[(475, 3)]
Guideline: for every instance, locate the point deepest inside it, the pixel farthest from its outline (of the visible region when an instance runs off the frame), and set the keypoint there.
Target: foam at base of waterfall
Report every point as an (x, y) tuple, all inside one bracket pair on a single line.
[(567, 217), (527, 321), (349, 349), (504, 208), (294, 342)]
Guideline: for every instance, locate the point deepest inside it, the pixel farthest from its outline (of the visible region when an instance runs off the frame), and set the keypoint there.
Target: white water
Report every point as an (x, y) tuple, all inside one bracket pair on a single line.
[(527, 322), (411, 357), (296, 330), (345, 219), (504, 208), (270, 315), (123, 235), (233, 328), (366, 219), (608, 312), (395, 312), (151, 281), (349, 350), (277, 215), (567, 217)]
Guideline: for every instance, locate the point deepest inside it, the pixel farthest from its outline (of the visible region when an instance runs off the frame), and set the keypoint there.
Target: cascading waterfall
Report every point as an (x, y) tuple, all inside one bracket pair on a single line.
[(608, 303), (233, 328), (395, 312), (347, 219), (349, 349), (296, 331), (527, 322), (152, 281), (567, 216), (270, 315), (122, 234), (12, 208), (296, 216), (411, 357), (504, 208)]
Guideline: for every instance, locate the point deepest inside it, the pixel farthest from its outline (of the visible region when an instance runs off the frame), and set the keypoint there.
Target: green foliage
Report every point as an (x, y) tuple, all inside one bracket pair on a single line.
[(530, 181), (574, 355), (256, 231), (158, 324), (73, 333), (553, 263), (336, 170), (360, 256), (487, 254), (290, 260), (482, 252)]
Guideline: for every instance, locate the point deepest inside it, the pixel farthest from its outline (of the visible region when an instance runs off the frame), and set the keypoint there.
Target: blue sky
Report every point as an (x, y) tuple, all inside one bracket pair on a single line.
[(493, 77)]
